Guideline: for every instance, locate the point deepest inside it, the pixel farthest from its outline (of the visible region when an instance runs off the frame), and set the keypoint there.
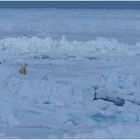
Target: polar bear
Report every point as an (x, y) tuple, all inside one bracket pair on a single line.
[(23, 69)]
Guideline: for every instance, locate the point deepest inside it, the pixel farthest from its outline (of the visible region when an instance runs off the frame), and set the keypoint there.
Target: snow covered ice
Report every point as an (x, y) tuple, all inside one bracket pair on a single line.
[(83, 74)]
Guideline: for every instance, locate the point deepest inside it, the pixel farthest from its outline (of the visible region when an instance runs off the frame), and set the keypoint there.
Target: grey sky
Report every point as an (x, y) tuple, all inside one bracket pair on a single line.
[(72, 4)]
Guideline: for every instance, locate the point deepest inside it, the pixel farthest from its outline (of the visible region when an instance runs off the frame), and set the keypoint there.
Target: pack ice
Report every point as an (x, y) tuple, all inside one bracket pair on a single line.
[(83, 74)]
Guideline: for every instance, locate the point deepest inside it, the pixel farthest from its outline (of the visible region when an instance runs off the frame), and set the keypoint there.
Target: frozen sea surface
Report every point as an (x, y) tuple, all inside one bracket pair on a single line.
[(83, 77), (74, 24)]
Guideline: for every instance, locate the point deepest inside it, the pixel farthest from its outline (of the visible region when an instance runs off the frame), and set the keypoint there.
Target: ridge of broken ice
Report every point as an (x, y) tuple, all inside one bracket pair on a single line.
[(64, 48)]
